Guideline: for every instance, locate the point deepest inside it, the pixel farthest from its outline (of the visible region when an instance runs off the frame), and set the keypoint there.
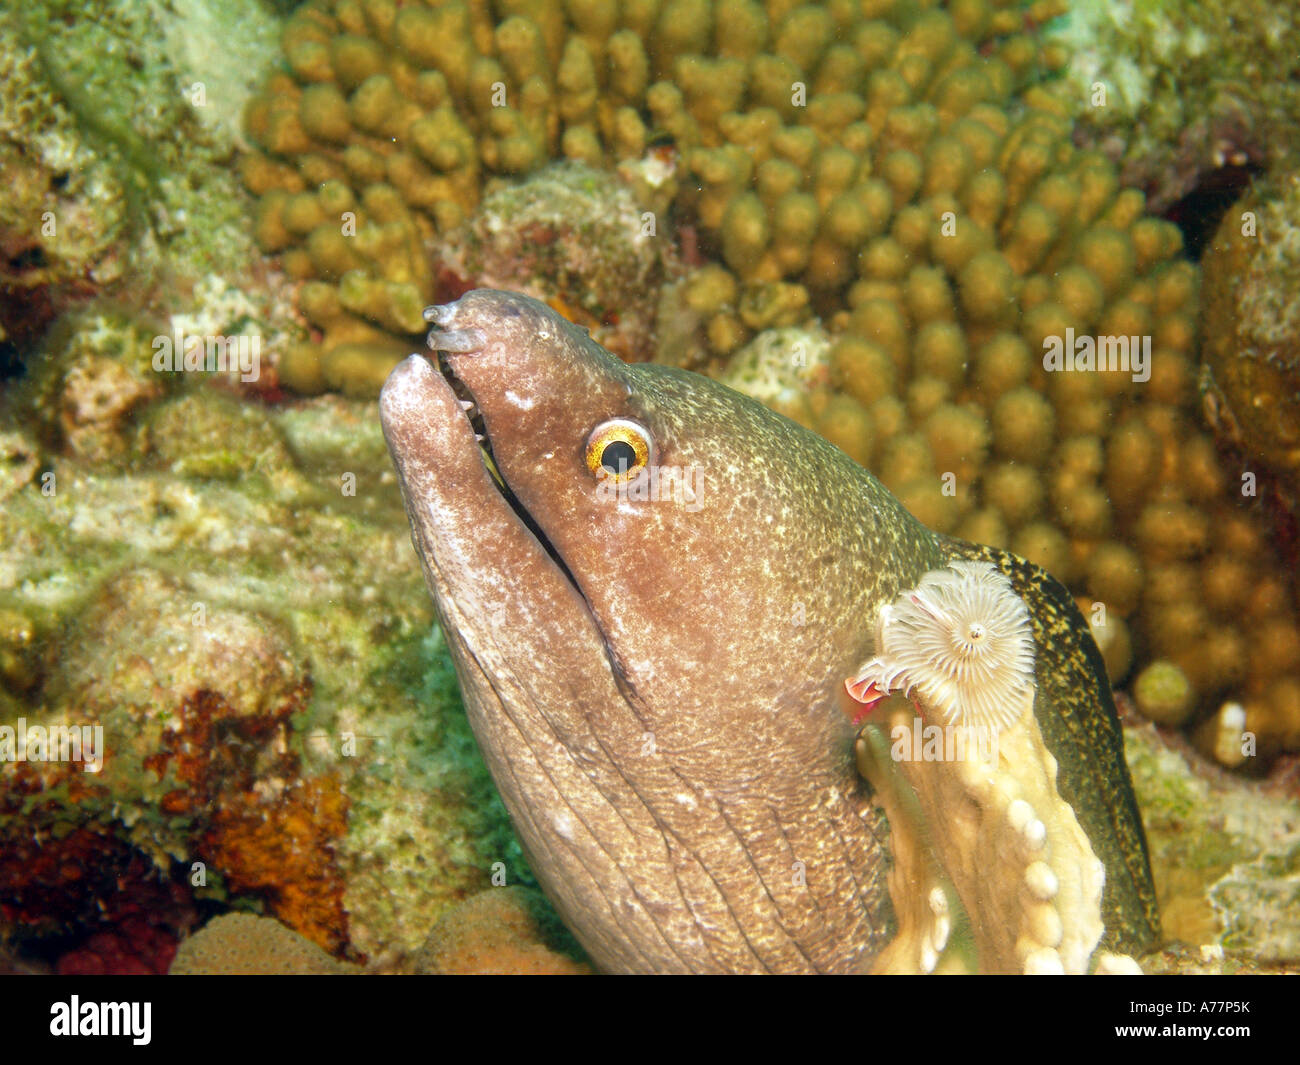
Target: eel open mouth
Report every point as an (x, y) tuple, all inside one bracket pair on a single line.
[(467, 342), (469, 405), (444, 342)]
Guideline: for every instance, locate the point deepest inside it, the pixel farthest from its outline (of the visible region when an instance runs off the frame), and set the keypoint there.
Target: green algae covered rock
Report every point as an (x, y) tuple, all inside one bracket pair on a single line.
[(211, 436), (1187, 88), (232, 603), (1251, 322), (1223, 853), (573, 236), (128, 120)]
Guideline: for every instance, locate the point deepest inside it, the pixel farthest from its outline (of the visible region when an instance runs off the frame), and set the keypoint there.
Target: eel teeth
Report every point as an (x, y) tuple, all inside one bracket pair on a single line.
[(457, 341)]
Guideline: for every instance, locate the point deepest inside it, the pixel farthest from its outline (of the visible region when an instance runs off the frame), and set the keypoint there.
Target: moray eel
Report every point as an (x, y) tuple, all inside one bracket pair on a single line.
[(653, 589)]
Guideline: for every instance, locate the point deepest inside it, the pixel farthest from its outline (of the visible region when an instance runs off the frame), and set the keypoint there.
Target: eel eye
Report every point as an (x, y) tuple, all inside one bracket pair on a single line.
[(619, 448)]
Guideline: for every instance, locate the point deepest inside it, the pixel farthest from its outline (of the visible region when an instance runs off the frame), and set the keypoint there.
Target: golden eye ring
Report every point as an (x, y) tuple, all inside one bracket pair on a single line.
[(619, 449)]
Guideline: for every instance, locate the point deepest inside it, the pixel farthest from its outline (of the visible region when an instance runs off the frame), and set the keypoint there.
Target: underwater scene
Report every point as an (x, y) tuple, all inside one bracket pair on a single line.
[(649, 486)]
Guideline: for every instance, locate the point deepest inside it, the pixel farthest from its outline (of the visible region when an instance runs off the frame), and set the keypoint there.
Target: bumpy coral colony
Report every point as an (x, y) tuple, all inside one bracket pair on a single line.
[(904, 173)]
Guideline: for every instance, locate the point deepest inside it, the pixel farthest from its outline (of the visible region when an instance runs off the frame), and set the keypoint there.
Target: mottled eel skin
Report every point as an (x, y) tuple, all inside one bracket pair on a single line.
[(654, 684)]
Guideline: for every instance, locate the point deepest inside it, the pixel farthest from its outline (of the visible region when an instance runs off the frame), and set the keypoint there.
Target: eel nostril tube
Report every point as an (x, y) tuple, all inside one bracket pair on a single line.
[(440, 313)]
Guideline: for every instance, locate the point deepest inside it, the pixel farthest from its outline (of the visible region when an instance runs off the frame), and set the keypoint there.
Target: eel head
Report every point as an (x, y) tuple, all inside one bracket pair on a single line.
[(652, 589)]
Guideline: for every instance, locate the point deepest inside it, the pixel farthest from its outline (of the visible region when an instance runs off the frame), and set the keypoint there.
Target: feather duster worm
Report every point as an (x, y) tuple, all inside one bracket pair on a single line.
[(959, 644)]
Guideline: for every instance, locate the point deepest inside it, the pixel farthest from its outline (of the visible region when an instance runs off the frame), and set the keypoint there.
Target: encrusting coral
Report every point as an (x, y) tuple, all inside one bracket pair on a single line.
[(116, 135), (244, 944), (223, 588), (574, 237), (905, 173), (1251, 324), (1193, 101), (502, 931)]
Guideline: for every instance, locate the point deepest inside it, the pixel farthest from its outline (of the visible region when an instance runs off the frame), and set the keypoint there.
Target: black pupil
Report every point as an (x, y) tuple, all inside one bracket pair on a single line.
[(618, 456)]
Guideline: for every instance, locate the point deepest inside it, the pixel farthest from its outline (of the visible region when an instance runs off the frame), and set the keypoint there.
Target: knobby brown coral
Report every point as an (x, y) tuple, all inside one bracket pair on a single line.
[(899, 170)]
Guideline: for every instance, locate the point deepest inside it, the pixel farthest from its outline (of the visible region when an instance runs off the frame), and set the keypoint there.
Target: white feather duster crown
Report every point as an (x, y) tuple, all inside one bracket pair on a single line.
[(959, 644)]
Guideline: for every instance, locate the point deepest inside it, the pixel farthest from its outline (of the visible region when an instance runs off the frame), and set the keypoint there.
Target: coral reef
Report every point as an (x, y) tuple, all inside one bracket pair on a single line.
[(18, 461), (1193, 91), (224, 588), (129, 498), (244, 944), (1163, 693), (193, 726), (504, 931), (574, 237), (136, 947), (60, 879), (908, 175), (1251, 329), (781, 368), (507, 931), (389, 121), (63, 214), (115, 137), (93, 373), (1223, 853)]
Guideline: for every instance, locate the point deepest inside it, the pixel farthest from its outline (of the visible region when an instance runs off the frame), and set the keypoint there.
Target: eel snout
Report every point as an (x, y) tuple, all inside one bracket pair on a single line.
[(417, 406), (446, 337)]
